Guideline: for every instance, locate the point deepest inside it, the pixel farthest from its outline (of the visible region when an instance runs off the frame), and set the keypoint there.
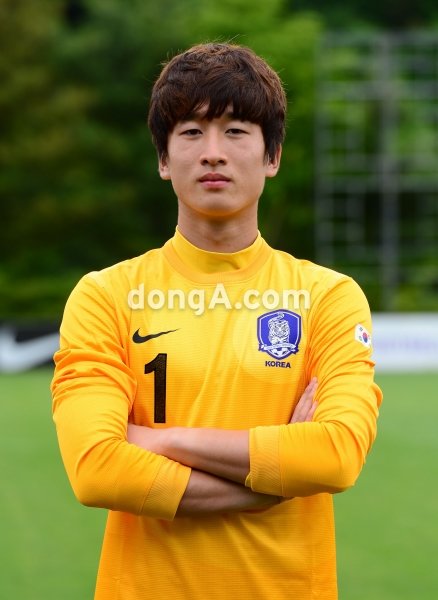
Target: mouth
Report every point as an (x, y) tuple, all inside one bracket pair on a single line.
[(214, 180), (214, 177)]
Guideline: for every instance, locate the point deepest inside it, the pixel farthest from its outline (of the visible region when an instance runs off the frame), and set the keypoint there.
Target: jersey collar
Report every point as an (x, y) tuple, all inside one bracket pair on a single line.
[(204, 266)]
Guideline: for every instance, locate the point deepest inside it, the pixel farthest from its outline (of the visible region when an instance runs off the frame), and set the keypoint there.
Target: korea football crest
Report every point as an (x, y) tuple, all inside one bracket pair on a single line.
[(279, 333)]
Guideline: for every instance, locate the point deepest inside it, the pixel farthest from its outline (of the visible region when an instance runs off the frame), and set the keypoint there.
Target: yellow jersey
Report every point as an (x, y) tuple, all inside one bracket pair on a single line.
[(184, 337)]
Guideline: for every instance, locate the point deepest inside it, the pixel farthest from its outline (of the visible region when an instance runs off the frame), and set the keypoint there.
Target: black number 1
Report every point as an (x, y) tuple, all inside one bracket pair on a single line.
[(158, 367)]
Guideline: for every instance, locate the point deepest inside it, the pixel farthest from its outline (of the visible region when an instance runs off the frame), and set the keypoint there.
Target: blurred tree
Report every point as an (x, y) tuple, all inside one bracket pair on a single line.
[(78, 173), (79, 170), (391, 14), (75, 12), (78, 185), (33, 149)]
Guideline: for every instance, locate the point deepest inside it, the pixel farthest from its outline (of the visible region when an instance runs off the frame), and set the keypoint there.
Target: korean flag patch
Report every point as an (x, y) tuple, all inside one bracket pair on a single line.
[(362, 336)]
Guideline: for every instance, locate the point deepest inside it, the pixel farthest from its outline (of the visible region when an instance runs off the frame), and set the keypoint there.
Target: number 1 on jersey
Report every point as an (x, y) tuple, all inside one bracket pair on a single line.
[(158, 367)]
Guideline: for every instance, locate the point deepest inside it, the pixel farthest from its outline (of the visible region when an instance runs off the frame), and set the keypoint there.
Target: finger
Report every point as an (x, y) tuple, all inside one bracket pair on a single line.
[(305, 414), (311, 412), (308, 393), (310, 390), (305, 403), (300, 409)]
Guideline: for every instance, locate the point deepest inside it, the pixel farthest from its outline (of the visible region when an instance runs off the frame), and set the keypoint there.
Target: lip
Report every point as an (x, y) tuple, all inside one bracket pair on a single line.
[(214, 181), (213, 177)]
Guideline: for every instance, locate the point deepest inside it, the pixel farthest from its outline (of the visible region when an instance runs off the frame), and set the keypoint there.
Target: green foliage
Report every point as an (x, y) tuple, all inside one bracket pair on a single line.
[(78, 173), (391, 14), (78, 168), (286, 212)]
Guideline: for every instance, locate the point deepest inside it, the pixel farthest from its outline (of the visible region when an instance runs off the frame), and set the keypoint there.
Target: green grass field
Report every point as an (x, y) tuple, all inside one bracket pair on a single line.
[(387, 525)]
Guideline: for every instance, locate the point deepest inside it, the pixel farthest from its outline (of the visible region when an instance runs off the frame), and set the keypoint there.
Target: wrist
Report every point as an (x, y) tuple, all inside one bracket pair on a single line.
[(170, 442), (162, 442), (157, 441)]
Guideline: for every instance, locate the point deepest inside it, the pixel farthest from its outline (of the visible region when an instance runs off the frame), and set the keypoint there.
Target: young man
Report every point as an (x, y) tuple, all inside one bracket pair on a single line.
[(177, 384)]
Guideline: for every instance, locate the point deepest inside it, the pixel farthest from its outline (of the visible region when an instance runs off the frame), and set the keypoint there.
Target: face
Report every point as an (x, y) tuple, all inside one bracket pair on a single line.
[(218, 167)]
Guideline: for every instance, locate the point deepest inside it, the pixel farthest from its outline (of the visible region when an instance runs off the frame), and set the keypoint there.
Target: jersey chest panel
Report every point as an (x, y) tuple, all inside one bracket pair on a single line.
[(210, 370)]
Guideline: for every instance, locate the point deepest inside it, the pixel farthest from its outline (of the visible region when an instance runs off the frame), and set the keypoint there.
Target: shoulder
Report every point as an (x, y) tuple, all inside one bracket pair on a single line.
[(310, 272), (111, 285), (120, 277), (123, 270), (326, 288)]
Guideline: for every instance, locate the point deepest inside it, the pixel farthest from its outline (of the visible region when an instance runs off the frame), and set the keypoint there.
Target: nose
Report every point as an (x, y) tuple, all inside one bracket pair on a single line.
[(213, 151)]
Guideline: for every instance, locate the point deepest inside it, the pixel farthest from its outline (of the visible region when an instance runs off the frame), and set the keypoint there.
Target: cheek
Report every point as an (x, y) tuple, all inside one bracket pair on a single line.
[(178, 185), (254, 170), (179, 170)]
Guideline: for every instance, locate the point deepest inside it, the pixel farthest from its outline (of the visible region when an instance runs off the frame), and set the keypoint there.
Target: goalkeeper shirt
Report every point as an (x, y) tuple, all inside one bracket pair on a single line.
[(184, 337)]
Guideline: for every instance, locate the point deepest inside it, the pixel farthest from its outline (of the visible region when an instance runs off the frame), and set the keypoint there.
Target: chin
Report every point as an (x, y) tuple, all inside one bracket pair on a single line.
[(221, 209), (220, 212)]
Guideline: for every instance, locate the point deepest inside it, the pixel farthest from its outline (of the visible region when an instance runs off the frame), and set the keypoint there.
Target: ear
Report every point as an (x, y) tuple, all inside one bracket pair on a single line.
[(273, 165), (164, 167)]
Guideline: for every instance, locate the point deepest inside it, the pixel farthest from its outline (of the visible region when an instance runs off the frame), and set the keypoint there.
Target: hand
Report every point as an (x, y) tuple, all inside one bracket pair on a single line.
[(306, 406)]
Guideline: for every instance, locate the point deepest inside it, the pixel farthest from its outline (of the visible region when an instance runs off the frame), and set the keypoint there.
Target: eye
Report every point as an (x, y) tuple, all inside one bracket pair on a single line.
[(235, 131), (192, 132)]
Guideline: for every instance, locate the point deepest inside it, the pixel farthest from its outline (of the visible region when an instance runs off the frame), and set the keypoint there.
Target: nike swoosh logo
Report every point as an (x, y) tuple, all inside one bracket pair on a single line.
[(139, 339), (20, 356)]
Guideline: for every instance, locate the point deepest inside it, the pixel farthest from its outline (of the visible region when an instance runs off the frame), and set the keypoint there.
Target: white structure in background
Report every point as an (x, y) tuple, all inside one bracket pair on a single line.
[(405, 342)]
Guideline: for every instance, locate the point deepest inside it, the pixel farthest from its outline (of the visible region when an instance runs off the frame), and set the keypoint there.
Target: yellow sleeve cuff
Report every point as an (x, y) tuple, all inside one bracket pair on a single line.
[(264, 455), (167, 490)]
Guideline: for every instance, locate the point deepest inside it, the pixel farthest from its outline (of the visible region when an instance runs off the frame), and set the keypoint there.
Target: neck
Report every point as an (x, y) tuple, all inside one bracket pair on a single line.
[(218, 235)]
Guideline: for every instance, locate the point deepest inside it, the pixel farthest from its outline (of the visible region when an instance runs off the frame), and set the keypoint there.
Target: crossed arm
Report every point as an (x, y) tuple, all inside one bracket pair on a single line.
[(219, 460)]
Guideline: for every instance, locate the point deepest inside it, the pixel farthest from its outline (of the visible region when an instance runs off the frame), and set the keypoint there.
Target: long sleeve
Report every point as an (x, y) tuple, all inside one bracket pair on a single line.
[(327, 454), (93, 392)]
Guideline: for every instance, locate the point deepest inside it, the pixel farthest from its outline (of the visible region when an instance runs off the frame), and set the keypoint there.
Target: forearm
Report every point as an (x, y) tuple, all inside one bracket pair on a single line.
[(220, 452), (304, 459), (206, 494)]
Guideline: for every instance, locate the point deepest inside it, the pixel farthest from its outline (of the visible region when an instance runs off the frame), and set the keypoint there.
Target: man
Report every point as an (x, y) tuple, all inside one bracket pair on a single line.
[(221, 485)]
